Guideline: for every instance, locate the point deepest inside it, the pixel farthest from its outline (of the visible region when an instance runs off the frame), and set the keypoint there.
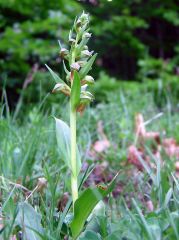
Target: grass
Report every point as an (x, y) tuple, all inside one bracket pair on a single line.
[(28, 151)]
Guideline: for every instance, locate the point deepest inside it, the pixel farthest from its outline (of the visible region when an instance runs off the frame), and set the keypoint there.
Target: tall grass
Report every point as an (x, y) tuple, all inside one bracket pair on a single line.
[(28, 151)]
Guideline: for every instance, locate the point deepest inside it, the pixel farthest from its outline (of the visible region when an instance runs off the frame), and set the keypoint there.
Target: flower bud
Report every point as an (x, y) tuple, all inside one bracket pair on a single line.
[(86, 35), (177, 166), (84, 18), (64, 52), (82, 63), (86, 53), (88, 80), (78, 23), (75, 66), (42, 183), (84, 87), (84, 101), (85, 95), (62, 87), (71, 40)]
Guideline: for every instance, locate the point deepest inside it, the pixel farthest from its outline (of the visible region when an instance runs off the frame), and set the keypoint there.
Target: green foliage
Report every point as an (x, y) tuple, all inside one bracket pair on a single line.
[(154, 76), (33, 141), (30, 221), (26, 38), (155, 69), (54, 75), (87, 201), (124, 33), (75, 91), (128, 30), (84, 71), (64, 145)]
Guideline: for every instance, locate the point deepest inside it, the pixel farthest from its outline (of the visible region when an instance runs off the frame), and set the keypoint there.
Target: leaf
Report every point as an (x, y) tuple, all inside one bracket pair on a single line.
[(82, 44), (85, 204), (75, 91), (143, 220), (168, 197), (60, 44), (65, 69), (30, 221), (114, 236), (84, 71), (90, 235), (54, 75), (64, 144)]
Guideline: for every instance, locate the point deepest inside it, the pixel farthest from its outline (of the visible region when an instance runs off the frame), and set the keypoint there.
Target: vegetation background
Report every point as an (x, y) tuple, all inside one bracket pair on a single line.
[(135, 40), (136, 71)]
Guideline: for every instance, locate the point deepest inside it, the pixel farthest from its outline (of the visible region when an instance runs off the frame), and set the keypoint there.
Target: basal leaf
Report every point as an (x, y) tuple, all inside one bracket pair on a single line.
[(54, 75), (75, 91), (85, 204), (84, 70), (64, 144), (30, 222), (90, 235)]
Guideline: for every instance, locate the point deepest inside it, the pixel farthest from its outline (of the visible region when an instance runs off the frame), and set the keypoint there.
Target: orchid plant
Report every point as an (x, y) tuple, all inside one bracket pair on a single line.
[(77, 62), (80, 61)]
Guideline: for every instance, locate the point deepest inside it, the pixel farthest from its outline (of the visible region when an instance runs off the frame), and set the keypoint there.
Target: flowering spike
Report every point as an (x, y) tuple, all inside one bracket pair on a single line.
[(79, 61)]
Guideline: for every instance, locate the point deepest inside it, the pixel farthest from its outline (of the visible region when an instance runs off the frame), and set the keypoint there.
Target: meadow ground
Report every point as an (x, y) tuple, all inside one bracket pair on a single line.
[(35, 182)]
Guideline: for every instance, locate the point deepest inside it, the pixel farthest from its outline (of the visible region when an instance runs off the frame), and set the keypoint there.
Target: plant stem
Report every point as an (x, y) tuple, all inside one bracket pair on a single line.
[(74, 179)]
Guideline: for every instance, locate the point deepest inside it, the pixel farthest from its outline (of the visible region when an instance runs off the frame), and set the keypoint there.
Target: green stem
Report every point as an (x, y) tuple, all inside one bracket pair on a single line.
[(74, 180)]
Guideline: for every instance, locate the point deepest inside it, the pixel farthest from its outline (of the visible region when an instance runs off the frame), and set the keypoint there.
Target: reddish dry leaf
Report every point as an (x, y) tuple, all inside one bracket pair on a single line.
[(169, 145), (1, 223), (139, 125), (177, 166), (133, 156), (101, 145), (171, 148), (140, 130), (13, 237), (142, 135), (152, 135), (63, 201), (150, 206)]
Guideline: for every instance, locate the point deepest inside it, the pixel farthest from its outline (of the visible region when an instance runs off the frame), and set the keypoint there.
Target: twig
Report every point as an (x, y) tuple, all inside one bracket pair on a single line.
[(15, 184), (32, 192)]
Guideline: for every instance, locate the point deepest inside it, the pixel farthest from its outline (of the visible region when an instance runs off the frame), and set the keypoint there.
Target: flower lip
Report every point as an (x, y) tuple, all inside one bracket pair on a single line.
[(75, 66)]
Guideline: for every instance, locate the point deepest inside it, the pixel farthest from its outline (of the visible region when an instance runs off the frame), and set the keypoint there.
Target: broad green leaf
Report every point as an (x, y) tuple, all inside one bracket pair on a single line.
[(85, 204), (30, 222), (64, 144), (90, 235), (118, 235), (84, 70), (54, 75), (75, 91)]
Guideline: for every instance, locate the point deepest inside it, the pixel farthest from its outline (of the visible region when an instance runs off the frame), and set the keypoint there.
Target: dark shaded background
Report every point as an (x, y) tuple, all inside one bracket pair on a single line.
[(135, 40)]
